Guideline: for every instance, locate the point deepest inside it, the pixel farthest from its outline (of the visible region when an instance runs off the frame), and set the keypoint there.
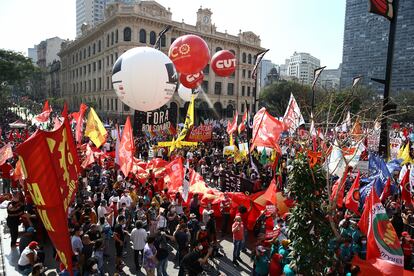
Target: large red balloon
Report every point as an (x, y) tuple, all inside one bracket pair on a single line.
[(192, 80), (189, 53), (223, 63)]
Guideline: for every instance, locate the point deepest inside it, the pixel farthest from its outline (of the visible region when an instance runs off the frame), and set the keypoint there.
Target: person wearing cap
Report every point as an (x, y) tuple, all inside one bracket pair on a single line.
[(238, 236), (193, 226), (28, 258), (284, 251), (261, 261), (26, 238)]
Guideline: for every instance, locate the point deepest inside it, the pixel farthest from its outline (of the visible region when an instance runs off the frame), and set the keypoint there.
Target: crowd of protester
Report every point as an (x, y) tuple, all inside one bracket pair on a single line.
[(112, 211)]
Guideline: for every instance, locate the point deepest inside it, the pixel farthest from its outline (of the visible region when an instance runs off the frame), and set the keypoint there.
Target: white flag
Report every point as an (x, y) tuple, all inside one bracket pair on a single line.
[(293, 117)]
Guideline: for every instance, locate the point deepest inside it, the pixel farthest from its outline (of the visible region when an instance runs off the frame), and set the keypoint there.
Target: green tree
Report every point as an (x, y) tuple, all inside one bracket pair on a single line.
[(275, 97), (309, 229), (405, 106)]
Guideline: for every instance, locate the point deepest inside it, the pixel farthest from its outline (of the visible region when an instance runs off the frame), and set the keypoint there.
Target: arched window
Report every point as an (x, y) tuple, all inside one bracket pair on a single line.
[(163, 43), (94, 49), (127, 34), (99, 46), (244, 58), (112, 38), (233, 52), (218, 49), (249, 59), (230, 111), (116, 36), (142, 36), (153, 37)]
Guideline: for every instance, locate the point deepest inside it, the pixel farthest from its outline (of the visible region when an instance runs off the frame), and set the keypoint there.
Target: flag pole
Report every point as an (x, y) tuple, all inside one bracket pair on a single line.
[(383, 145)]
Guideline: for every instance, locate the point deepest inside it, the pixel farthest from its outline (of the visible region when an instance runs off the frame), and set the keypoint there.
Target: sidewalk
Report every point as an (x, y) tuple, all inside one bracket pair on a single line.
[(9, 258)]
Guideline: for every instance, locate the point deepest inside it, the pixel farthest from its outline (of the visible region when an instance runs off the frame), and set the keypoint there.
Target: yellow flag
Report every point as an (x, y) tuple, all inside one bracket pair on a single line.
[(405, 156), (231, 140), (189, 121), (95, 129)]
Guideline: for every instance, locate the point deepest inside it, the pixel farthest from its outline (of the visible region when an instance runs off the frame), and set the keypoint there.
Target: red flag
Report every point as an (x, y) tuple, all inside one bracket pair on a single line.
[(266, 130), (6, 152), (44, 116), (387, 190), (352, 198), (18, 135), (233, 126), (242, 126), (126, 148), (405, 188), (11, 137), (18, 172), (172, 130), (79, 122), (339, 188), (174, 174), (383, 246), (51, 166), (89, 157), (26, 134)]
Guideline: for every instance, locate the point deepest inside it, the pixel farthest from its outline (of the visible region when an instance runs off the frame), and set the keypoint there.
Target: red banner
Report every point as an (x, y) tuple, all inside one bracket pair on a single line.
[(202, 133), (50, 163)]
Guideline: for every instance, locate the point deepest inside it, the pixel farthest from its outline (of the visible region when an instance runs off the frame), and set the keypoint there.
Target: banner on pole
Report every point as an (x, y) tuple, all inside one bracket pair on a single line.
[(202, 133)]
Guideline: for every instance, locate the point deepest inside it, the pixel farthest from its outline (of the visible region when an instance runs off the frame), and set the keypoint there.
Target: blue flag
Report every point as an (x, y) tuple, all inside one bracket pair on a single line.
[(377, 166), (364, 191)]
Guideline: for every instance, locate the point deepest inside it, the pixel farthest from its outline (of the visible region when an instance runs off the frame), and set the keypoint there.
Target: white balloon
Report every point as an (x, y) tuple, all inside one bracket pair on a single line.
[(144, 78), (185, 93)]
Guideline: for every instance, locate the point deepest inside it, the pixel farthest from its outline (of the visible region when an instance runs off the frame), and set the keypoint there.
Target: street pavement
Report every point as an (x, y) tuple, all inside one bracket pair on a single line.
[(218, 266)]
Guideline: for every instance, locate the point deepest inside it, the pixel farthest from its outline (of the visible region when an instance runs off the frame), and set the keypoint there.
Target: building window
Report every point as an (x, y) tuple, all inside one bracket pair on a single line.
[(204, 85), (244, 73), (84, 53), (94, 84), (242, 108), (107, 83), (99, 84), (254, 91), (116, 56), (116, 36), (99, 64), (89, 68), (116, 104), (153, 37), (107, 40), (126, 108), (142, 36), (243, 90), (112, 38), (249, 75), (218, 49), (100, 104), (230, 89), (112, 104), (89, 85), (163, 41), (173, 39), (206, 69), (107, 60), (112, 59), (248, 91), (233, 52), (80, 87), (127, 34), (94, 48), (244, 57), (84, 70), (107, 104), (89, 51), (249, 59), (217, 88), (99, 46), (73, 59), (84, 86)]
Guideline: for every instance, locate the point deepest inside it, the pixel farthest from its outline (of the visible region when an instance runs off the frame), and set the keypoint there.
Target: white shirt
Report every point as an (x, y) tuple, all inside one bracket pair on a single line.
[(102, 211), (206, 216), (162, 222), (125, 199), (24, 260), (138, 238)]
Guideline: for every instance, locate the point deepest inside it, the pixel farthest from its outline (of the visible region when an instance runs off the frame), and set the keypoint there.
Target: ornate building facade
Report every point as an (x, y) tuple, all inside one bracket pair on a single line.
[(87, 62)]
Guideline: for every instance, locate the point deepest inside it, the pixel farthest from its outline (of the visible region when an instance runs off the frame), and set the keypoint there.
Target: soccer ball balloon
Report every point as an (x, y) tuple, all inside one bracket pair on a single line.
[(144, 78)]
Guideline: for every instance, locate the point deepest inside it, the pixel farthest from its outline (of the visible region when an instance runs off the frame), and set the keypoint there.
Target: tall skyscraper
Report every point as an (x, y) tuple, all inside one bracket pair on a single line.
[(91, 12), (302, 66), (366, 43)]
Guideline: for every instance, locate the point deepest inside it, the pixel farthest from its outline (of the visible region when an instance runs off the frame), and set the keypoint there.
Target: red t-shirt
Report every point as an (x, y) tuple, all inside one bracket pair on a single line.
[(238, 234), (275, 268), (6, 170)]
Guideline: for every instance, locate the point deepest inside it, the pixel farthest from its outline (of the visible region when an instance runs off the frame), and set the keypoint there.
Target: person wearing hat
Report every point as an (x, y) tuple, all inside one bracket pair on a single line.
[(261, 261), (28, 258), (284, 251), (26, 238), (238, 236), (193, 226)]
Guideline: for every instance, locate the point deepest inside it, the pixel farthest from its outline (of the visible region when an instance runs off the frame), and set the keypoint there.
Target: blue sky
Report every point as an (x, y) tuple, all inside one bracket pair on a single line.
[(285, 26)]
